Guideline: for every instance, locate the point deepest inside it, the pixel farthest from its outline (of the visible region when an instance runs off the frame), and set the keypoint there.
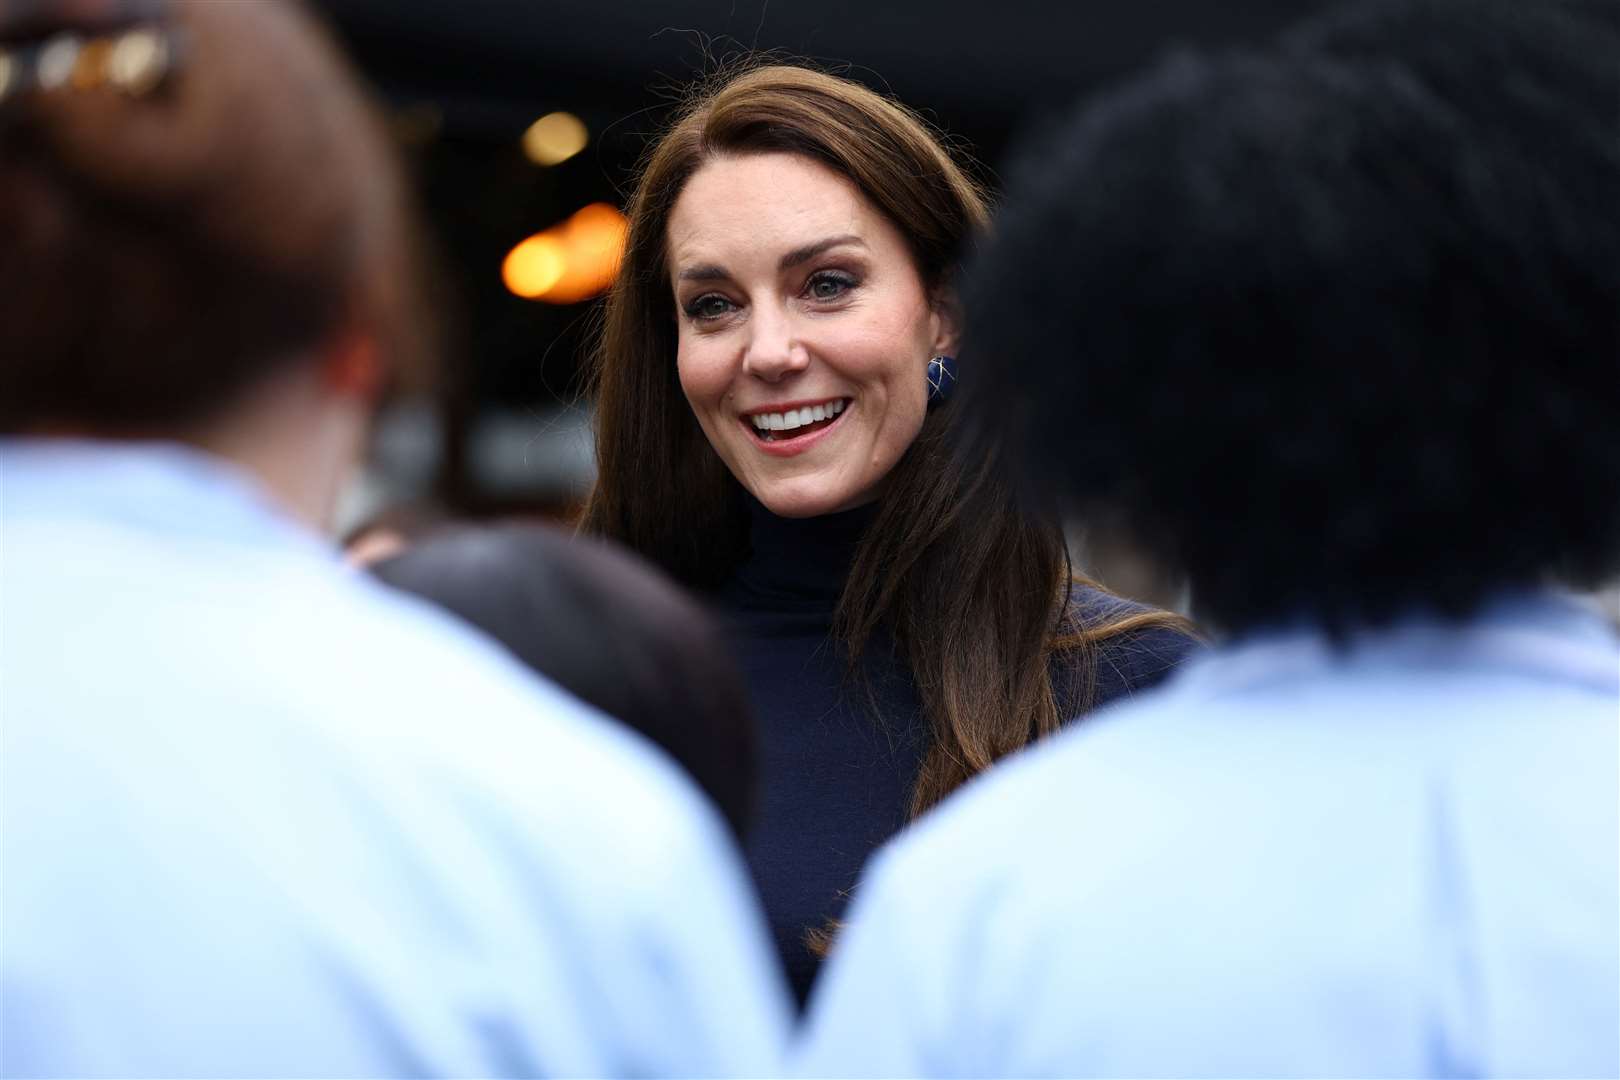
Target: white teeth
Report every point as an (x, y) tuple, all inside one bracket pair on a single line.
[(766, 423)]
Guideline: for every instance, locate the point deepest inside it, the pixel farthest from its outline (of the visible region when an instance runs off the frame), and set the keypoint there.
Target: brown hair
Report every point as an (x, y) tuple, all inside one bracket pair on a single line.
[(164, 253), (974, 589)]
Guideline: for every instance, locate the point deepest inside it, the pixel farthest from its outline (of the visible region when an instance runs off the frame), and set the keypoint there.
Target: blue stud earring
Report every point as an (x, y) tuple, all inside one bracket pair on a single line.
[(941, 380)]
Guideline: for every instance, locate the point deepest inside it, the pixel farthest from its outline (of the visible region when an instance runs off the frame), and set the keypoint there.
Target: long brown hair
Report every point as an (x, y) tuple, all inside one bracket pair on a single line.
[(973, 588)]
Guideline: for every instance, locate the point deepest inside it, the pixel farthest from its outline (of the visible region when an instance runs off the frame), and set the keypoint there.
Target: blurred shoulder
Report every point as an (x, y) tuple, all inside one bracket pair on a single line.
[(1135, 647), (1066, 793), (445, 703)]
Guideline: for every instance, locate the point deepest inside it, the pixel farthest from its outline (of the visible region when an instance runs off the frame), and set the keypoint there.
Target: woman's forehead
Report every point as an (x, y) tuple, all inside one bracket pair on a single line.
[(761, 206)]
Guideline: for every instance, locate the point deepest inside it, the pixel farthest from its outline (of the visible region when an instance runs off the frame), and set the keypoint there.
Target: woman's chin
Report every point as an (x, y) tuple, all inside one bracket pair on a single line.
[(791, 500)]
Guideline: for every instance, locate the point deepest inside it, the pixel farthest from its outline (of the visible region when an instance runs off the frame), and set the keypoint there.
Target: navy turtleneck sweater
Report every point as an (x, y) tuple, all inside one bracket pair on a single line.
[(835, 782)]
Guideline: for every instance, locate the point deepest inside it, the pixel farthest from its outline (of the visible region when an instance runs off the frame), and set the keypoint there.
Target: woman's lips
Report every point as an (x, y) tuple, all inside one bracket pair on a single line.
[(787, 442)]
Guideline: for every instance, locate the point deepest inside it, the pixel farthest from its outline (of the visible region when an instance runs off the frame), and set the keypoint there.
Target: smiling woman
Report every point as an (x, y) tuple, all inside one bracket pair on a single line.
[(768, 433), (802, 321)]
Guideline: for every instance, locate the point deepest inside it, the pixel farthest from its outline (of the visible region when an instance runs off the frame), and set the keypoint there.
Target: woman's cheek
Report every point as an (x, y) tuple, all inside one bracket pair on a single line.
[(696, 378)]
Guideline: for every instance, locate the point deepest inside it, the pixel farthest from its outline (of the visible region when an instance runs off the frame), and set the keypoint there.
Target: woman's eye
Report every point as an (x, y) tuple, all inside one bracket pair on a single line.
[(710, 306), (829, 286)]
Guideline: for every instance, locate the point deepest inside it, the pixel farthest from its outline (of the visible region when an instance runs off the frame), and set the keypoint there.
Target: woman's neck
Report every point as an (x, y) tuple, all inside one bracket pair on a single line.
[(805, 559)]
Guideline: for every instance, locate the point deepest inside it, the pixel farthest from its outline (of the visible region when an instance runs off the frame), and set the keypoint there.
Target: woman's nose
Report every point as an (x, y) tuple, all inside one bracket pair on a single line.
[(773, 351)]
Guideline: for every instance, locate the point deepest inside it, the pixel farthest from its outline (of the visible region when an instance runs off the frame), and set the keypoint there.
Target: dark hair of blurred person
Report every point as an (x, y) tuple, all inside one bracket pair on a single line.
[(262, 815), (607, 628), (1368, 321), (1332, 323), (184, 226)]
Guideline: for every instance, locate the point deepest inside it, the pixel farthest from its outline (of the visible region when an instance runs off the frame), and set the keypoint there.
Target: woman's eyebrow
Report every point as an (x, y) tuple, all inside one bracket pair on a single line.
[(704, 272), (715, 272), (810, 251)]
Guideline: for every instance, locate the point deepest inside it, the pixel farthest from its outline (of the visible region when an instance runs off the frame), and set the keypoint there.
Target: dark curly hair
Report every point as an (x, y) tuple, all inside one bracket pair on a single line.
[(1332, 326)]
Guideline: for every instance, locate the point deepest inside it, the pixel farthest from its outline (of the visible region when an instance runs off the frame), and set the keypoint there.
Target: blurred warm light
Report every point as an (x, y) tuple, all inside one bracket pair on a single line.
[(554, 138), (571, 261), (534, 266)]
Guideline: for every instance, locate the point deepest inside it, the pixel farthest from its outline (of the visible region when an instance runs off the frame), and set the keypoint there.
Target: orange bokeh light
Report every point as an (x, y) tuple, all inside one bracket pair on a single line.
[(571, 261), (535, 265)]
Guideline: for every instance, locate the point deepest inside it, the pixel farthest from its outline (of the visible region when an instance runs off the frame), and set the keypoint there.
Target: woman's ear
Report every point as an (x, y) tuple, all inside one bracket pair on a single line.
[(947, 321)]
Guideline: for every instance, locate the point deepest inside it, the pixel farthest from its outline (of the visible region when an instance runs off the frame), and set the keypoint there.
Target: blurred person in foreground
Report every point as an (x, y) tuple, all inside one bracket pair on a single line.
[(262, 816), (609, 629), (1358, 295)]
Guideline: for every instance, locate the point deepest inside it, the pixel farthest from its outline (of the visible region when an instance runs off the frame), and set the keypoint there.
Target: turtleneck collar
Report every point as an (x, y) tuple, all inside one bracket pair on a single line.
[(799, 560)]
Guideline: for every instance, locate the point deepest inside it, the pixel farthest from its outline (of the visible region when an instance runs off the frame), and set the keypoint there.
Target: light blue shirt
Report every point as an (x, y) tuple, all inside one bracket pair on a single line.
[(1397, 861), (262, 817)]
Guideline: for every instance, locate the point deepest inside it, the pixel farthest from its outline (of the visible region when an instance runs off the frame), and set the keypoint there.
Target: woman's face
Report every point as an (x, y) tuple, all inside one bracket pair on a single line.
[(804, 330)]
